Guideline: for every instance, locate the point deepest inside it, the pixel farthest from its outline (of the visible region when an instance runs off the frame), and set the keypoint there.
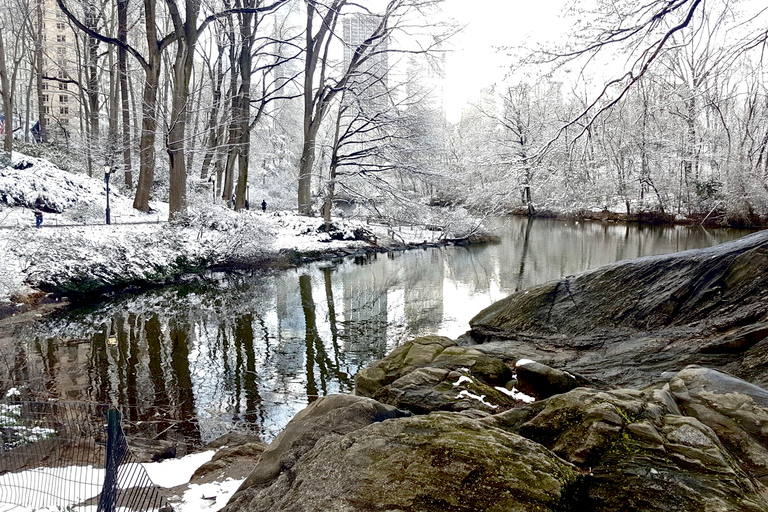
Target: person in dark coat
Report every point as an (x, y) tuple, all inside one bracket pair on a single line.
[(38, 218), (263, 205)]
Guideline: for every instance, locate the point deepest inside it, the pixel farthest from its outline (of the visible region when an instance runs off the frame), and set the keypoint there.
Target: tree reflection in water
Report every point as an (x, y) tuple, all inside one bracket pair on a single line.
[(248, 351)]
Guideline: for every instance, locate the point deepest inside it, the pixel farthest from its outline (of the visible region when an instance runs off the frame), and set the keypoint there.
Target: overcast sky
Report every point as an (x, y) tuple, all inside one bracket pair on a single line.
[(491, 23)]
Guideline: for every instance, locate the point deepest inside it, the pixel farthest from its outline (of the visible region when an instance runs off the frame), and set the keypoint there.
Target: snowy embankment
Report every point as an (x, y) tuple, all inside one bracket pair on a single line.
[(76, 252)]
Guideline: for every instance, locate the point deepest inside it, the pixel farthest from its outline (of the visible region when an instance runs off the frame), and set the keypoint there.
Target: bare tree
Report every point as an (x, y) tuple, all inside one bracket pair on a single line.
[(321, 86)]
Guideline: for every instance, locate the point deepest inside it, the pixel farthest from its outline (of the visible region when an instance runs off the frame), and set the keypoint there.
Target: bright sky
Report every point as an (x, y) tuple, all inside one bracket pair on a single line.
[(490, 23)]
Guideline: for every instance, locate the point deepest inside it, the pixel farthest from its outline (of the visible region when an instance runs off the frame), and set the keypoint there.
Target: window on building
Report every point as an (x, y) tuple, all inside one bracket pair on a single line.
[(62, 86), (60, 25), (45, 86), (46, 110), (61, 38), (45, 97), (65, 121), (63, 98), (63, 110), (60, 14)]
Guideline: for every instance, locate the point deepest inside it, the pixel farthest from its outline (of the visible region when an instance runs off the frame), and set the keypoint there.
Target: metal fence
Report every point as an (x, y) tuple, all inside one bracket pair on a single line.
[(63, 455)]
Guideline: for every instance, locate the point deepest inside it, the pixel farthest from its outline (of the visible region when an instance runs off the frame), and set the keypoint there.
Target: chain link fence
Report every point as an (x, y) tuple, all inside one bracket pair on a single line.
[(64, 454)]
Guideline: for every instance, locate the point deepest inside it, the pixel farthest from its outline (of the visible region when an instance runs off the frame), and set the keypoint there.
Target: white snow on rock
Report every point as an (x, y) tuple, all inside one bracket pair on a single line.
[(462, 380), (479, 398), (516, 395)]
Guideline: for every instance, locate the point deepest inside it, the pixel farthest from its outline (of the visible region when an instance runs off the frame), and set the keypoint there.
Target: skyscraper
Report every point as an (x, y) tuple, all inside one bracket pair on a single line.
[(59, 95), (369, 81)]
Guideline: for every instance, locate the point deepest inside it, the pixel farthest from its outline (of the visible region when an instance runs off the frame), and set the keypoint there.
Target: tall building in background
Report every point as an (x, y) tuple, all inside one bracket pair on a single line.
[(60, 102), (369, 84)]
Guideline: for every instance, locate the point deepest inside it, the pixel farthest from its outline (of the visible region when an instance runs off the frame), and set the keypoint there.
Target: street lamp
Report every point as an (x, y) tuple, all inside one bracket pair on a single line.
[(106, 179)]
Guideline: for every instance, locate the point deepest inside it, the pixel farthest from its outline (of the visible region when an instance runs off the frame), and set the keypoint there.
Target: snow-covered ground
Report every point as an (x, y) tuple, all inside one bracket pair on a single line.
[(174, 473), (75, 249)]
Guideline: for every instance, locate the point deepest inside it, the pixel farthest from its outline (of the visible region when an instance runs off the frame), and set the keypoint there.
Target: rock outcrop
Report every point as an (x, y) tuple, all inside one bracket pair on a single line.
[(432, 373), (690, 438), (438, 462), (628, 322), (696, 443)]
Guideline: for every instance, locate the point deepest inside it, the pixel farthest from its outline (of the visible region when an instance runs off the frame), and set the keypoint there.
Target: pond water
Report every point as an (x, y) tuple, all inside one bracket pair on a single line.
[(250, 351)]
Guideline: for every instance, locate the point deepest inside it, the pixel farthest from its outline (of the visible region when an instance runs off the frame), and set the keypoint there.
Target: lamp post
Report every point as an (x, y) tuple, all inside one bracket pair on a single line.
[(106, 179)]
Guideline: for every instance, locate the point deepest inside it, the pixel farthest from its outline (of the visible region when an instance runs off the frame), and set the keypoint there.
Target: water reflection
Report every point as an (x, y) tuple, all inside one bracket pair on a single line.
[(252, 350)]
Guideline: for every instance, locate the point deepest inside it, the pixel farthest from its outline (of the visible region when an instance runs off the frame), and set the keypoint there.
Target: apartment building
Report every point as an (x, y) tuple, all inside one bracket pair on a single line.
[(60, 102)]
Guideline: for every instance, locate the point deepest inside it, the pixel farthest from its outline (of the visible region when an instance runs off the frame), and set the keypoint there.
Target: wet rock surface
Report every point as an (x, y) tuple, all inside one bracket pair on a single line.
[(432, 373), (628, 322), (441, 462), (693, 444)]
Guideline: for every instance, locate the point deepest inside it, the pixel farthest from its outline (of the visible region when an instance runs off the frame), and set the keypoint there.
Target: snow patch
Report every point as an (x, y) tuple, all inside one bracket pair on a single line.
[(479, 398), (516, 395), (169, 473), (206, 497), (462, 380)]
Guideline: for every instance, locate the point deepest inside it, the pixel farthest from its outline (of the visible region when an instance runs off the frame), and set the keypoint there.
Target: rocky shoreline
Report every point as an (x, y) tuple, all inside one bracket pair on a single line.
[(646, 375)]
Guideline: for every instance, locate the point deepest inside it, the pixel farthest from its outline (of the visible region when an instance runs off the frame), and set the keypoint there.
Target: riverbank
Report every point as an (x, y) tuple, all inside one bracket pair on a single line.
[(711, 219), (75, 254), (41, 265)]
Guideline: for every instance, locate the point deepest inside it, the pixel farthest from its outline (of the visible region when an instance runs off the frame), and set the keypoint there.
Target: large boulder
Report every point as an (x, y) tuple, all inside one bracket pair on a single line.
[(430, 389), (628, 322), (332, 414), (432, 373), (438, 462), (736, 411), (640, 452), (541, 381), (696, 443), (432, 351)]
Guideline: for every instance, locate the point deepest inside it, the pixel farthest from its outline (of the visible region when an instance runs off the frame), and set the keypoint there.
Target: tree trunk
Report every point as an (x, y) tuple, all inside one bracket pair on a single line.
[(331, 187), (182, 69), (43, 132), (122, 66), (92, 77), (147, 141), (152, 69), (212, 129), (305, 173), (243, 112), (7, 93)]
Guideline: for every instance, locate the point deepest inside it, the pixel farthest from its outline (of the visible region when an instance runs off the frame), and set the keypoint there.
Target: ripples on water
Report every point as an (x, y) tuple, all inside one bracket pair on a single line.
[(249, 351)]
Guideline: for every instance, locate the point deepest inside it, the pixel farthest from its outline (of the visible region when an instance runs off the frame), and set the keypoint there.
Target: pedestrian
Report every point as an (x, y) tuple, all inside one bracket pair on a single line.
[(38, 218), (232, 202), (263, 205)]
